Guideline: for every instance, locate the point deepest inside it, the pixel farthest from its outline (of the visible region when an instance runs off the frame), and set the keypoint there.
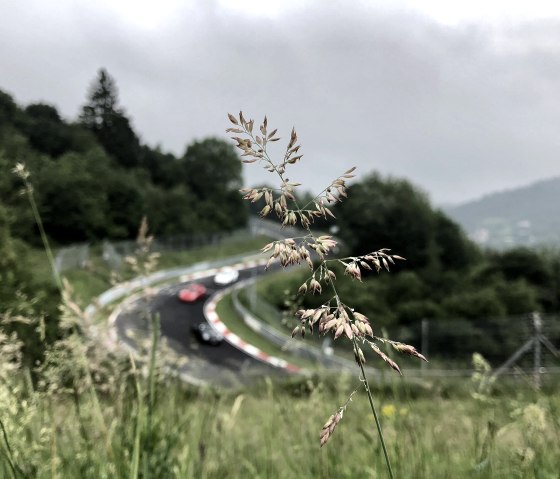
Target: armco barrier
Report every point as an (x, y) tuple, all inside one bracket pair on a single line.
[(129, 288), (124, 289), (130, 291), (284, 341)]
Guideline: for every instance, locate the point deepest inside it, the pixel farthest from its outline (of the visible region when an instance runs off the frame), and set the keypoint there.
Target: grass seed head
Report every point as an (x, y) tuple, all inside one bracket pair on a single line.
[(408, 350), (329, 427)]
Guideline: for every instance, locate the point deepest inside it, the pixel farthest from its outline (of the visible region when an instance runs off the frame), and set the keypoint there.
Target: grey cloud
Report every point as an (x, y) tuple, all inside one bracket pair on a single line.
[(459, 111)]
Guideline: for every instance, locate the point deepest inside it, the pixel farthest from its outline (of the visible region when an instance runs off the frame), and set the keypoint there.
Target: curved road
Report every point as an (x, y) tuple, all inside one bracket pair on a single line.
[(222, 365)]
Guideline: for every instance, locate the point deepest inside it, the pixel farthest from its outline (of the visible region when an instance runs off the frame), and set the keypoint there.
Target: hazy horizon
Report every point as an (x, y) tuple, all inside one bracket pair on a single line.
[(462, 103)]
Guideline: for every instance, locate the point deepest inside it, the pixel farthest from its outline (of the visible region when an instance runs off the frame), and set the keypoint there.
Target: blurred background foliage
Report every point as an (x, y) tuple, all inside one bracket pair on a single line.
[(483, 296), (95, 179)]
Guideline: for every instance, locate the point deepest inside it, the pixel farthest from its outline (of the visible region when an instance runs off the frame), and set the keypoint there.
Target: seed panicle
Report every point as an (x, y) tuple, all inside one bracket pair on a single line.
[(333, 317)]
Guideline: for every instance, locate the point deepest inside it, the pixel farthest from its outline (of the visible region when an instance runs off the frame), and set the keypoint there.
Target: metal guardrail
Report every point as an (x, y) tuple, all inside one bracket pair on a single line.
[(284, 341), (124, 289), (113, 252)]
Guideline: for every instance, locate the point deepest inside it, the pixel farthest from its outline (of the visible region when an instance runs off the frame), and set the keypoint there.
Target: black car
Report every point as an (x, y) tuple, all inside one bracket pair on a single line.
[(207, 334)]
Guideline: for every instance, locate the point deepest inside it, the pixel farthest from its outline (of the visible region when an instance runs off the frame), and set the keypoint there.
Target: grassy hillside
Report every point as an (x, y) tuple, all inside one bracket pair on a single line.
[(137, 427), (522, 216)]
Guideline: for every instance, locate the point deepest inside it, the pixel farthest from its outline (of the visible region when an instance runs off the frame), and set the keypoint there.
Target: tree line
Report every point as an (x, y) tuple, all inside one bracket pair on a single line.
[(94, 178), (446, 278)]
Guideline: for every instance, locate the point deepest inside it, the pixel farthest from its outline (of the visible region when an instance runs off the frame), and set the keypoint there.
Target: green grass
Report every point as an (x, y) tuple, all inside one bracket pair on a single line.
[(269, 315), (213, 252), (41, 268), (229, 316), (271, 430), (88, 284), (130, 425)]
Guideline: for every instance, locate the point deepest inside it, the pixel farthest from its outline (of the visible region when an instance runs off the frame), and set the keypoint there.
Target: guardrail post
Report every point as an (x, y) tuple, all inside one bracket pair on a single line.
[(537, 330)]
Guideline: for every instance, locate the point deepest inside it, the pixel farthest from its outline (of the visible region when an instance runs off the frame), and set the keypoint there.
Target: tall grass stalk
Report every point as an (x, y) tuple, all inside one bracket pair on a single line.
[(79, 361), (135, 465), (334, 316), (375, 416), (9, 455), (152, 368), (23, 173), (74, 347)]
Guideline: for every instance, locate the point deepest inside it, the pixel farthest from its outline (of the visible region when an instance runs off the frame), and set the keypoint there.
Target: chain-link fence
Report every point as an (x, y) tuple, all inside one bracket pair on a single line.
[(114, 252), (72, 257), (454, 340), (527, 343)]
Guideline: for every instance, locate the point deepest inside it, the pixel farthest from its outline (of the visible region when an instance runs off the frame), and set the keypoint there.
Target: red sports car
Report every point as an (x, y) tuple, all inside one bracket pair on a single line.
[(192, 292)]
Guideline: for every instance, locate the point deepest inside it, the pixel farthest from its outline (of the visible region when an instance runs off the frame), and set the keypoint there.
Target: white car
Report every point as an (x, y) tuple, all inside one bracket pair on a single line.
[(226, 276)]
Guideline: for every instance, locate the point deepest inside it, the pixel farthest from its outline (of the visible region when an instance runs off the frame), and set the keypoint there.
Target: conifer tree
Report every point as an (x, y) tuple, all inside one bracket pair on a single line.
[(112, 127)]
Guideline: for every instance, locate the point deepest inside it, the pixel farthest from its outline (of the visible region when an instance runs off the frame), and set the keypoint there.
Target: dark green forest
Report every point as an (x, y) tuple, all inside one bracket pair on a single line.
[(483, 296), (94, 179)]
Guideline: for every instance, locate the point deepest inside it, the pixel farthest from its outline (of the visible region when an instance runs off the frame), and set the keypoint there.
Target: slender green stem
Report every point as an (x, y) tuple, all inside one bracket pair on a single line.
[(377, 423), (135, 460), (48, 250), (37, 216), (152, 371), (370, 397), (16, 470), (324, 266), (9, 454)]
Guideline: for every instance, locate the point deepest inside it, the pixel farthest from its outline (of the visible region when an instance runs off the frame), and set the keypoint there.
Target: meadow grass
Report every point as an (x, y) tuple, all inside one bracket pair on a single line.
[(85, 414), (271, 431), (222, 250)]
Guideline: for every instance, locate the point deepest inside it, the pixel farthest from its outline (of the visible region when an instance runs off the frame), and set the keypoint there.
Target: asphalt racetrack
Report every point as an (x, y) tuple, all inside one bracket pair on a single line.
[(199, 362)]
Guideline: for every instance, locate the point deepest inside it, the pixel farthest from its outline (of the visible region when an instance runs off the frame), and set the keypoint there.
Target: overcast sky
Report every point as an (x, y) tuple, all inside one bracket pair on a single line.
[(461, 99)]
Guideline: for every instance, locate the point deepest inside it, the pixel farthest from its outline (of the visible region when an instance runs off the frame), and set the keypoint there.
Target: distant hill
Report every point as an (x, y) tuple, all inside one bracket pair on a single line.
[(526, 216)]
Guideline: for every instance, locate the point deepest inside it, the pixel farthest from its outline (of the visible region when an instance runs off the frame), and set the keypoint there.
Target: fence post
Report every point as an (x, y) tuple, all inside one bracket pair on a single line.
[(424, 344), (537, 329)]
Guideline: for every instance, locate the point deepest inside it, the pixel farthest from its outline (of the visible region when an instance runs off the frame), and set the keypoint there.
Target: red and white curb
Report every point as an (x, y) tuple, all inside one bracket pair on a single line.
[(253, 263), (213, 318)]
